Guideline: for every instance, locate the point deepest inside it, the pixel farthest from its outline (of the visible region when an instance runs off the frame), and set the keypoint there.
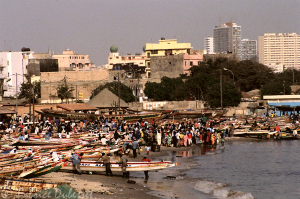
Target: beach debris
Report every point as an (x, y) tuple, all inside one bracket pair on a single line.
[(131, 181), (171, 177)]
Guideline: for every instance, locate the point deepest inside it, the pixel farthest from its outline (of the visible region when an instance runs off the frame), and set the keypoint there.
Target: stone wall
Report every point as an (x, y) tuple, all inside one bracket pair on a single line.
[(82, 83)]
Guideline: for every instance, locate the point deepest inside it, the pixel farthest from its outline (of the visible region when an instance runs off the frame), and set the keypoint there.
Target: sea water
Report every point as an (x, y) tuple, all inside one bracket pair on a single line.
[(240, 170)]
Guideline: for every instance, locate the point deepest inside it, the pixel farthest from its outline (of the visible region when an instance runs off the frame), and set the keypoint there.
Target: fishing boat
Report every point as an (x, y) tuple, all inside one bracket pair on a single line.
[(11, 186), (89, 116), (115, 166), (42, 170)]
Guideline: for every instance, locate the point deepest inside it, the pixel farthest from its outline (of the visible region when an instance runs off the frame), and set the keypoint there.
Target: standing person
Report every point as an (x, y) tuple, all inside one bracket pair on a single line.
[(231, 130), (145, 159), (204, 119), (76, 162), (185, 138), (222, 139), (148, 149), (106, 162), (135, 146), (123, 162), (158, 137), (178, 139)]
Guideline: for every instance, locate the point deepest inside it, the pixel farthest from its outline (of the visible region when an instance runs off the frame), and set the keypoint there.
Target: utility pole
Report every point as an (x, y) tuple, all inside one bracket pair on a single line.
[(33, 96), (16, 94), (221, 89), (119, 92)]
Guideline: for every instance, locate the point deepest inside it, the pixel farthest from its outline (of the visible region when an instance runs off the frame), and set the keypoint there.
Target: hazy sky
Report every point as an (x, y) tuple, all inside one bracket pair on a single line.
[(92, 26)]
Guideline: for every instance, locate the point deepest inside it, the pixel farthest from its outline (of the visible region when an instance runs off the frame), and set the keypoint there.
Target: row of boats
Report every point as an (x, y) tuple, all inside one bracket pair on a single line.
[(21, 162)]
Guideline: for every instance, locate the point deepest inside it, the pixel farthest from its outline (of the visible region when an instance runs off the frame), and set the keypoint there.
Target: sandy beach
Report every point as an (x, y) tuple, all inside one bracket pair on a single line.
[(98, 185)]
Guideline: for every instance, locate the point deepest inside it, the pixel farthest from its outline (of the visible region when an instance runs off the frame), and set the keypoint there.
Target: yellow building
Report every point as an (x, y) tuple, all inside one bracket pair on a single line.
[(165, 47)]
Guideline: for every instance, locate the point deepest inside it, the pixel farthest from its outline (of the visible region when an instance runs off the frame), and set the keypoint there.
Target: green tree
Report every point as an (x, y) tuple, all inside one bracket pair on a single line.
[(276, 87), (64, 92), (126, 93), (26, 91)]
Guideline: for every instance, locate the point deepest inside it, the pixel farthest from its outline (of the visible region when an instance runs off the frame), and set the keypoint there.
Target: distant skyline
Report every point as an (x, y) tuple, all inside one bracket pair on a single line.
[(92, 27)]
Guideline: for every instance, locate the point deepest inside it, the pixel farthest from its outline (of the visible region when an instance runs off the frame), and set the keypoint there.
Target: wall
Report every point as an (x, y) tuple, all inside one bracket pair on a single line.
[(83, 83), (170, 66), (173, 105)]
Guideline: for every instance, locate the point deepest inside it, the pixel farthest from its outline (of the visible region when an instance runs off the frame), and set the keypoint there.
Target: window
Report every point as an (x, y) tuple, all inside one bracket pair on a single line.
[(170, 63), (185, 63), (168, 52), (154, 51), (191, 63), (148, 64), (148, 55)]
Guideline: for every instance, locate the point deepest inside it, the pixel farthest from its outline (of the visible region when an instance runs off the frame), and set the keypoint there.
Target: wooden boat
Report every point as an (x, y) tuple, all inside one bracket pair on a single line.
[(81, 116), (42, 170), (10, 186), (115, 166)]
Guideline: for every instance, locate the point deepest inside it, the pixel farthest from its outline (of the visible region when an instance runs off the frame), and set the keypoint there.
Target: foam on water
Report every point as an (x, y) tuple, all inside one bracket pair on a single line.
[(220, 190)]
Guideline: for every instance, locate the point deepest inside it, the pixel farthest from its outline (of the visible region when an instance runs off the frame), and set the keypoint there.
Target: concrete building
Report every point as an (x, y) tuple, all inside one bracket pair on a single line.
[(36, 66), (281, 48), (248, 50), (209, 45), (115, 58), (227, 38), (165, 47), (69, 61), (11, 73), (173, 66), (27, 54)]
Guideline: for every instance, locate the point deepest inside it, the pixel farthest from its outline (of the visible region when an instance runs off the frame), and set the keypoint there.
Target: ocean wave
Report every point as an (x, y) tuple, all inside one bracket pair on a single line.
[(220, 190)]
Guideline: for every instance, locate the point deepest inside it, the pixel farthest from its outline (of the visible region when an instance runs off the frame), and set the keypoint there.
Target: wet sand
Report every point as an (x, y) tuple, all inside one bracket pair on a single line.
[(98, 185)]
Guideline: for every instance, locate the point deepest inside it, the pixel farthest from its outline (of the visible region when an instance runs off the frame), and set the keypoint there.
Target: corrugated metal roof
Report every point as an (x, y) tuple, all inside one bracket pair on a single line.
[(106, 99)]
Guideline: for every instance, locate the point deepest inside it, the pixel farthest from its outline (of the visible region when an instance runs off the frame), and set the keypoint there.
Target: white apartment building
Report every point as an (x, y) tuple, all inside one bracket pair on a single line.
[(11, 73), (68, 60), (209, 45), (280, 48), (248, 50)]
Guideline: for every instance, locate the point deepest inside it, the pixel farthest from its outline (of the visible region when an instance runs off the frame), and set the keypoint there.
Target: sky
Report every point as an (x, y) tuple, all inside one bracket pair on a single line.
[(93, 26)]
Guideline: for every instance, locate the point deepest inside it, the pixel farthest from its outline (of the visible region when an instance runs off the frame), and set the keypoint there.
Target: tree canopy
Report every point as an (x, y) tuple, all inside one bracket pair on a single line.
[(126, 93), (203, 83), (64, 92), (26, 91)]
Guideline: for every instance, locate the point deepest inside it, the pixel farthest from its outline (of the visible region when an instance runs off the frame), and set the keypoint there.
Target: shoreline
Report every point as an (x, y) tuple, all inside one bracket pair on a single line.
[(97, 185)]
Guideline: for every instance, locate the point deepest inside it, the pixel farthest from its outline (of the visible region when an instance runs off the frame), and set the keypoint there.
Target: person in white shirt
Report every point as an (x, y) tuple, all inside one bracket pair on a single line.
[(54, 156), (103, 140)]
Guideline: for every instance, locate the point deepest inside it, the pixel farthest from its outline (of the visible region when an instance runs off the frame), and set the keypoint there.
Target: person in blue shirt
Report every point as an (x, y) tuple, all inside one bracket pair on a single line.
[(21, 137), (76, 162)]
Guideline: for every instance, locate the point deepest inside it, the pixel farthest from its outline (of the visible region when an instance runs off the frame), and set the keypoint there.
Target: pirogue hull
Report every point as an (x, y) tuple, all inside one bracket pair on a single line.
[(115, 167)]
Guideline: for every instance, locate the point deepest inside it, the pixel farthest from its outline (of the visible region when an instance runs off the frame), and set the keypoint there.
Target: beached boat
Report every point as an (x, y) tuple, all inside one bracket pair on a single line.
[(115, 166), (17, 187), (42, 170), (88, 116)]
